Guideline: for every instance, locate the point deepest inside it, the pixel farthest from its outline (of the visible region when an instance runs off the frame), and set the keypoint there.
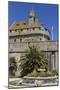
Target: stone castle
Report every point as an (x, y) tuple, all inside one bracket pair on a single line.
[(31, 32)]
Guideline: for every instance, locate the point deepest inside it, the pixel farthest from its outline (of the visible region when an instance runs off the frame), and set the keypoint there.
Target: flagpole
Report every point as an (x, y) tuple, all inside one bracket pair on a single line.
[(52, 32)]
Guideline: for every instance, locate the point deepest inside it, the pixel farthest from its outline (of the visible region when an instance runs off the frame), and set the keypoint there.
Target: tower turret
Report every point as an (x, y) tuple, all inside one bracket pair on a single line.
[(31, 17)]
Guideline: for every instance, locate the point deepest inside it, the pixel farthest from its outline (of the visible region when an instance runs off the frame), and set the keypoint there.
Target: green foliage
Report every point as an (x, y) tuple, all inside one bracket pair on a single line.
[(12, 60), (54, 72), (41, 74), (12, 66), (42, 67), (33, 59), (33, 74), (49, 73)]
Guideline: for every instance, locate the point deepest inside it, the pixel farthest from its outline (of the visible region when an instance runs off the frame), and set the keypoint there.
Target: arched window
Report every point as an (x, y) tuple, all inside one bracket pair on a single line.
[(17, 24), (21, 29), (33, 28)]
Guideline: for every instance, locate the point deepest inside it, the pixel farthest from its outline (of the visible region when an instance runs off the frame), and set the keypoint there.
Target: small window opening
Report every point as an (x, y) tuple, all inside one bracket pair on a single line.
[(14, 40)]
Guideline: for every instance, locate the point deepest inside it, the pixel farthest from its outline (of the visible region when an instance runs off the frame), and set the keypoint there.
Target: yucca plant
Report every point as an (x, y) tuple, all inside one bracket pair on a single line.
[(32, 60)]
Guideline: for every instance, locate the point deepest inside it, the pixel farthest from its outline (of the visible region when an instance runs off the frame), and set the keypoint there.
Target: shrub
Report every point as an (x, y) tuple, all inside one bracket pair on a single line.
[(54, 72), (42, 67), (32, 74), (49, 73), (42, 74)]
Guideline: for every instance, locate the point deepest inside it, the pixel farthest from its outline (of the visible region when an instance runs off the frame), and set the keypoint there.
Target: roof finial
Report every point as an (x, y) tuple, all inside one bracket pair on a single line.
[(32, 13)]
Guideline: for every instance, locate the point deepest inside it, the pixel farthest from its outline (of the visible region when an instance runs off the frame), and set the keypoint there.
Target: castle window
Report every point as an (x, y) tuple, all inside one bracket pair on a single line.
[(27, 28), (14, 40), (24, 23), (40, 39), (17, 24), (28, 42), (53, 53)]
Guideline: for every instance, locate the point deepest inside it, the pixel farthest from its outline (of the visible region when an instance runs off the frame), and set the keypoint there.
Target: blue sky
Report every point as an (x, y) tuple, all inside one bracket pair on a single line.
[(46, 13)]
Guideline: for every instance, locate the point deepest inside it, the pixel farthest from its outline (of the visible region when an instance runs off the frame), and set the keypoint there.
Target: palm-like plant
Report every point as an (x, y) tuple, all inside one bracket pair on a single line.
[(32, 60)]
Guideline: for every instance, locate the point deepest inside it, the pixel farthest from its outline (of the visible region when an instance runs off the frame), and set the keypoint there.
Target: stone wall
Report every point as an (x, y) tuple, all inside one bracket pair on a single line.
[(42, 45)]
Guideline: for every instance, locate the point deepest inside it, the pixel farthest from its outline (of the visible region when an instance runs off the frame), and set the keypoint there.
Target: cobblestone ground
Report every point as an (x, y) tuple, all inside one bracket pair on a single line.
[(20, 82)]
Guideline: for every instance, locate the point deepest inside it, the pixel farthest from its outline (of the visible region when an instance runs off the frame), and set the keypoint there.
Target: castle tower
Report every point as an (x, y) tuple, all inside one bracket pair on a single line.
[(31, 17)]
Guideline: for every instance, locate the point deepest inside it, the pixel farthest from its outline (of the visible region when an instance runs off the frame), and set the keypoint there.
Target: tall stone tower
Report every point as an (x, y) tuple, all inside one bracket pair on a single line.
[(31, 17)]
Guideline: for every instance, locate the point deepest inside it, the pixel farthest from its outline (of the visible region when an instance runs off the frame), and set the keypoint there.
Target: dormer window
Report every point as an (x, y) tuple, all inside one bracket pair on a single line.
[(27, 28), (33, 28), (21, 29), (17, 24), (24, 23)]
